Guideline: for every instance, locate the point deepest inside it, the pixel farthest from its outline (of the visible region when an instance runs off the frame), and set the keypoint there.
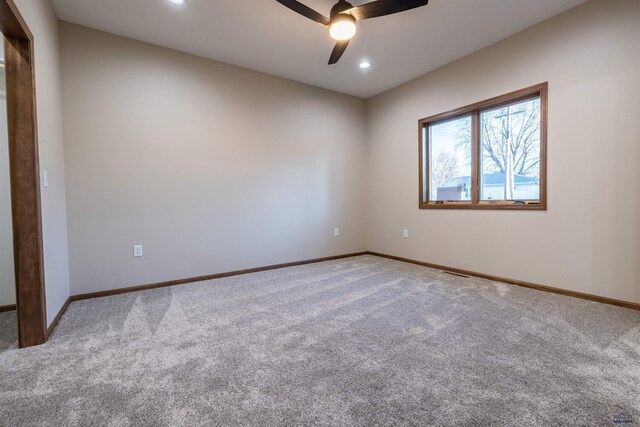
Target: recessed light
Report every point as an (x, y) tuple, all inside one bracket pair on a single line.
[(177, 1), (364, 65)]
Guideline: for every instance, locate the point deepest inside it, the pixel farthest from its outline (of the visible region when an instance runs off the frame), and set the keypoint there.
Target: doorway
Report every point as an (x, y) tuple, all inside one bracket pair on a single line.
[(24, 179), (8, 319)]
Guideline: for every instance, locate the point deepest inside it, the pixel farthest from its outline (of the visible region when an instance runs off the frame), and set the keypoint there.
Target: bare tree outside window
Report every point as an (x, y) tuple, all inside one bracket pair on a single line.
[(444, 169), (510, 148), (510, 138)]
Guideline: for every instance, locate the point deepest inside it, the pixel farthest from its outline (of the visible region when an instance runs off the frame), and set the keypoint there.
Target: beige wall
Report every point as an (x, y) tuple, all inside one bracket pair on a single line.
[(211, 167), (589, 239), (43, 23)]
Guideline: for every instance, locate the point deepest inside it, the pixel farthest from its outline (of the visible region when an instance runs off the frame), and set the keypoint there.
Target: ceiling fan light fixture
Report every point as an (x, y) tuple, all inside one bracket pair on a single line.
[(343, 27)]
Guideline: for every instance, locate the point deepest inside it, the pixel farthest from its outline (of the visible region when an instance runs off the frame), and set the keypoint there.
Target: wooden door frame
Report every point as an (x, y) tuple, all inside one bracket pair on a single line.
[(25, 176)]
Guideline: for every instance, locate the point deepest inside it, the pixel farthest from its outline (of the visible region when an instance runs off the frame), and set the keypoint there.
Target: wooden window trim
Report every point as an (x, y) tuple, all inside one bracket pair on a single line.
[(474, 110), (24, 175)]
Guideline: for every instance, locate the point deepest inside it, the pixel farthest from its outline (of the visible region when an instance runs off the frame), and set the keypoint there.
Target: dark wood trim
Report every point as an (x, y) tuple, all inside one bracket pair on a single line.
[(423, 188), (544, 108), (55, 322), (539, 90), (491, 103), (138, 288), (485, 206), (9, 307), (12, 24), (545, 288), (475, 154), (25, 176)]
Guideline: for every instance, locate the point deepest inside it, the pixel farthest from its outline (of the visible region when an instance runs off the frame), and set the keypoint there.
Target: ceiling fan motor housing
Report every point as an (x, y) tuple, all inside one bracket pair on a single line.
[(339, 9)]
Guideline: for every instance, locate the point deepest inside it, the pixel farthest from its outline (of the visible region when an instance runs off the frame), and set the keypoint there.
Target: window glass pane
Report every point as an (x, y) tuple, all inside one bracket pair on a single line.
[(510, 152), (450, 160)]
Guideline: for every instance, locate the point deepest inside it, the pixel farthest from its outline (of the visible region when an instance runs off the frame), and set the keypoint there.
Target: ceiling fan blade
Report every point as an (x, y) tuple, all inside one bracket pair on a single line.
[(378, 8), (337, 52), (306, 11)]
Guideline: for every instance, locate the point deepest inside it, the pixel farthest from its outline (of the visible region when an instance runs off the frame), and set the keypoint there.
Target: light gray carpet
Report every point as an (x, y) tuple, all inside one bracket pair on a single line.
[(360, 341), (8, 331)]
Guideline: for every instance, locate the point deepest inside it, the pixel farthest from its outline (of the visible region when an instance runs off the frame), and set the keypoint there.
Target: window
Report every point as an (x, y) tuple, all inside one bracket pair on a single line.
[(489, 155)]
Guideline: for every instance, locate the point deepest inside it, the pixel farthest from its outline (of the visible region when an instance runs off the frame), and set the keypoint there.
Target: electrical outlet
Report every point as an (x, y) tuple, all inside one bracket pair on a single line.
[(137, 251), (405, 233), (336, 232)]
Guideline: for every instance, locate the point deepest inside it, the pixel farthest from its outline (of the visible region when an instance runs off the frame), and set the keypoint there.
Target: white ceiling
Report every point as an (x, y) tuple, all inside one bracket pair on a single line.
[(265, 36)]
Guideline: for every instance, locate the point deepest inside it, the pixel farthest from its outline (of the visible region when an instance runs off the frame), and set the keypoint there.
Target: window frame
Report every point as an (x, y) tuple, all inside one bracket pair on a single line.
[(474, 110)]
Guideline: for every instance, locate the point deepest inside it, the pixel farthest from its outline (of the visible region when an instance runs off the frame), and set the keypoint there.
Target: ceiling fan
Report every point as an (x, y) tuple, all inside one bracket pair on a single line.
[(343, 17)]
